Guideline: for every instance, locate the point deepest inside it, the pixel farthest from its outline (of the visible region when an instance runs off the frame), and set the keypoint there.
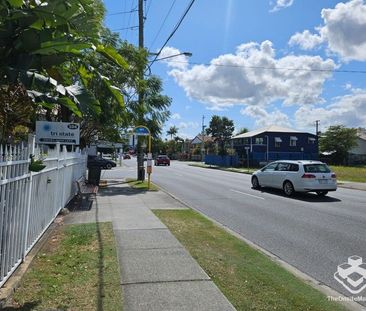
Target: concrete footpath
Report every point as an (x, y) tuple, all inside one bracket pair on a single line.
[(157, 272)]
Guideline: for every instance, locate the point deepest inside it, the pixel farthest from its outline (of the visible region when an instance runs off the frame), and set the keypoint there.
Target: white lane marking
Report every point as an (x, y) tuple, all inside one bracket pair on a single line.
[(251, 195)]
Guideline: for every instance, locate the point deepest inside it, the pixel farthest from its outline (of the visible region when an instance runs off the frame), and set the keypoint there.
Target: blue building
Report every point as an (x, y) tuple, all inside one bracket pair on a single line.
[(275, 143)]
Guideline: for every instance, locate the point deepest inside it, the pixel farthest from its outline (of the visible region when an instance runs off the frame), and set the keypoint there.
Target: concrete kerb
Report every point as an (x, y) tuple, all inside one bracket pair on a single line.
[(328, 291)]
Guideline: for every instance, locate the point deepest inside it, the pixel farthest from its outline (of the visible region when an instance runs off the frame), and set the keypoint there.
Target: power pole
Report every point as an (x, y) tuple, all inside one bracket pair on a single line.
[(140, 157), (317, 127), (203, 138)]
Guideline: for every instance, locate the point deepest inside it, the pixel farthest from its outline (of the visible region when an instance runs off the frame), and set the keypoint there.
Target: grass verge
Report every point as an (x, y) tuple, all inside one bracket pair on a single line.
[(249, 279), (350, 173), (76, 270), (141, 185)]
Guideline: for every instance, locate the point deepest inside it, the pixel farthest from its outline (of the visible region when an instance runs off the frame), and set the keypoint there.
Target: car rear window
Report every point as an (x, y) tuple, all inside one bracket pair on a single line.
[(316, 168)]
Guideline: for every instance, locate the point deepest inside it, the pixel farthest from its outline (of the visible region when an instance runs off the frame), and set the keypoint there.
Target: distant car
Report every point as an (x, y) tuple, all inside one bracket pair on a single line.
[(296, 176), (95, 161), (162, 160)]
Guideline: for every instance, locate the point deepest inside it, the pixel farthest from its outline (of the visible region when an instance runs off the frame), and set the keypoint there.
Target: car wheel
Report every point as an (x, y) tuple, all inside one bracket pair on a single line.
[(255, 182), (108, 166), (322, 193), (288, 188)]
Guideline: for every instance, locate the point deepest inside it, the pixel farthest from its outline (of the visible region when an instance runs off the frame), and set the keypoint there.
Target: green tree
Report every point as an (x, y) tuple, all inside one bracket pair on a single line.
[(173, 131), (340, 140), (221, 129), (242, 131), (41, 43)]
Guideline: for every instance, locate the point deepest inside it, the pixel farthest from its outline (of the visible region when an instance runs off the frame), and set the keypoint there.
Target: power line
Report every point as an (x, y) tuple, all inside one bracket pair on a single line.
[(174, 30), (129, 20), (274, 68), (125, 28), (162, 24), (123, 12)]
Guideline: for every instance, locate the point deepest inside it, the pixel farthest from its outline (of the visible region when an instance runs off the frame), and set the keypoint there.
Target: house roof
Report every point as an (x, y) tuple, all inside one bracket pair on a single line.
[(199, 138), (361, 133), (272, 128)]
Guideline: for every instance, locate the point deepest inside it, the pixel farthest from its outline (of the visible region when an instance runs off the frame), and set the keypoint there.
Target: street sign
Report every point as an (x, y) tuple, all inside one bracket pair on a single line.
[(141, 131), (52, 132)]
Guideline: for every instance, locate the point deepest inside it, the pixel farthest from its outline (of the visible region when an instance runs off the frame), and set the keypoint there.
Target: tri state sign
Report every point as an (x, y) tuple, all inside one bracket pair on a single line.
[(53, 132)]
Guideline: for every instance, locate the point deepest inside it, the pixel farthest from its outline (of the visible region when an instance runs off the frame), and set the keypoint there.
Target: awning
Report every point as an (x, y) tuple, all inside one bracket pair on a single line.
[(312, 139), (278, 140), (293, 138)]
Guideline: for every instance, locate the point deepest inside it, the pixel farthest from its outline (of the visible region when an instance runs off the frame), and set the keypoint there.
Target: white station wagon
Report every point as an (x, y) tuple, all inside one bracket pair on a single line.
[(296, 176)]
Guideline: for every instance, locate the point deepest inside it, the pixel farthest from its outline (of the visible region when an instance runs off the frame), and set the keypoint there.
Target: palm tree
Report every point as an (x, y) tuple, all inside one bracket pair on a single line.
[(173, 130)]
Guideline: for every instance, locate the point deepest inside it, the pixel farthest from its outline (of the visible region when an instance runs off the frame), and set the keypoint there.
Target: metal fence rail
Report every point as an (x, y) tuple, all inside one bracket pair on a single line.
[(30, 201)]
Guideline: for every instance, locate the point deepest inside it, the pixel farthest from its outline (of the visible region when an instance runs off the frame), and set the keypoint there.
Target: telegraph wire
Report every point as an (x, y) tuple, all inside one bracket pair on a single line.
[(274, 68), (174, 31), (163, 23)]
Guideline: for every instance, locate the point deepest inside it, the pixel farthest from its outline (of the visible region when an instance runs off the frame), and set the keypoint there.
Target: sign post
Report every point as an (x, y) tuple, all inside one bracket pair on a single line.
[(53, 132), (144, 131)]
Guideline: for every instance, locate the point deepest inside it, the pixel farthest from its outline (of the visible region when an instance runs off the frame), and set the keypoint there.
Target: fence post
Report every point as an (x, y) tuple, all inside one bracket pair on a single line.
[(31, 146)]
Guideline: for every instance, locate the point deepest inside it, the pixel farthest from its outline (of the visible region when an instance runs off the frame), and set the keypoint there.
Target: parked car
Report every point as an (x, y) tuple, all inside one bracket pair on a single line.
[(162, 160), (296, 176), (101, 162)]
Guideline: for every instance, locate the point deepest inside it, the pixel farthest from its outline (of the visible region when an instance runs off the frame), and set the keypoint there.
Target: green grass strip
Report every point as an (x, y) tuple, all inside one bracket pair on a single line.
[(350, 173), (77, 269), (248, 278), (141, 185)]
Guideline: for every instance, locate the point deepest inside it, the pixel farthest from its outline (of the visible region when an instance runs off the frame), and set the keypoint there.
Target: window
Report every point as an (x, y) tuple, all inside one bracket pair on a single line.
[(316, 168), (278, 142), (311, 140), (283, 167), (269, 167), (259, 141), (294, 168), (293, 140)]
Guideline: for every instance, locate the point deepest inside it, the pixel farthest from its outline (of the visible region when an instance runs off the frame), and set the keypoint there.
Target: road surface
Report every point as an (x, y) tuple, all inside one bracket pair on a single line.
[(313, 234)]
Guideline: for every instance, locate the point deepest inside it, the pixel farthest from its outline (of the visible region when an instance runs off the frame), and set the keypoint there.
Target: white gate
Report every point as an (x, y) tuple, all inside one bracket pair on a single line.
[(30, 201)]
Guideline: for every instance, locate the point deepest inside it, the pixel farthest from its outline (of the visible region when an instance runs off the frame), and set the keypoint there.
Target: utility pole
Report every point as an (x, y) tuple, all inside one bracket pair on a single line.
[(140, 157), (317, 127), (203, 139)]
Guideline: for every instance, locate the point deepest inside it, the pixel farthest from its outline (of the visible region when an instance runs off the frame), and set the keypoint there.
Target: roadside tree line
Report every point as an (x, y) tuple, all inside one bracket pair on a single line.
[(60, 63)]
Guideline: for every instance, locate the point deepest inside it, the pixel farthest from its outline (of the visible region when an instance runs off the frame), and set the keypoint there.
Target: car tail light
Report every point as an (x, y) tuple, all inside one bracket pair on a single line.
[(334, 175), (308, 176)]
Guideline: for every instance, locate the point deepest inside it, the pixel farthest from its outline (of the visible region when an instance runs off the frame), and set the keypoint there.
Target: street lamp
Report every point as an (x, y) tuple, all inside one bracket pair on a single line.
[(187, 54)]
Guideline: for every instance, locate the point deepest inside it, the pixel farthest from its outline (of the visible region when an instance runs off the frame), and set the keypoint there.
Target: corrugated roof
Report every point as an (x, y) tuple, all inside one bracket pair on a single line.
[(272, 128)]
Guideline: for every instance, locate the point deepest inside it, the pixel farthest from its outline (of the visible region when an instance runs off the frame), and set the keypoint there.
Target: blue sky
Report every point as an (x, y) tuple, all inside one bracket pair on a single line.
[(236, 46)]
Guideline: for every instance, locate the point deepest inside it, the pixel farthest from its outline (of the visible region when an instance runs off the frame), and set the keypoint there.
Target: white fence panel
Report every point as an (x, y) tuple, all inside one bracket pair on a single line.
[(30, 201)]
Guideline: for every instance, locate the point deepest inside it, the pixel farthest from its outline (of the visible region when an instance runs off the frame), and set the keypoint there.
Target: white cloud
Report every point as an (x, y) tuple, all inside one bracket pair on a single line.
[(247, 78), (175, 116), (344, 30), (188, 125), (348, 110), (179, 62), (281, 4), (264, 118), (305, 40)]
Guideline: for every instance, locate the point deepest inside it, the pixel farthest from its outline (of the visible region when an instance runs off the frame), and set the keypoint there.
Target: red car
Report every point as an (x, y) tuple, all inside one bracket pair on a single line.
[(162, 160)]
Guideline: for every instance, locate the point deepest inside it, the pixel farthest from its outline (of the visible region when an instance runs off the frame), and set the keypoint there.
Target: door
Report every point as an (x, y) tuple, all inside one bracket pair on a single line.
[(266, 175)]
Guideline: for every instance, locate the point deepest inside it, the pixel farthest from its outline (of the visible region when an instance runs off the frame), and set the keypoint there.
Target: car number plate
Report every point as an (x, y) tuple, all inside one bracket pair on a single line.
[(323, 181)]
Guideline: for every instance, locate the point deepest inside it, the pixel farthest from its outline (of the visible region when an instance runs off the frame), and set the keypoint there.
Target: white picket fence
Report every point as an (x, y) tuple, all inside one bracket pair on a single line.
[(30, 201)]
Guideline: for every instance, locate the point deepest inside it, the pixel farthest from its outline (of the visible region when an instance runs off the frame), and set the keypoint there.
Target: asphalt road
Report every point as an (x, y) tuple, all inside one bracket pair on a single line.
[(311, 233)]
